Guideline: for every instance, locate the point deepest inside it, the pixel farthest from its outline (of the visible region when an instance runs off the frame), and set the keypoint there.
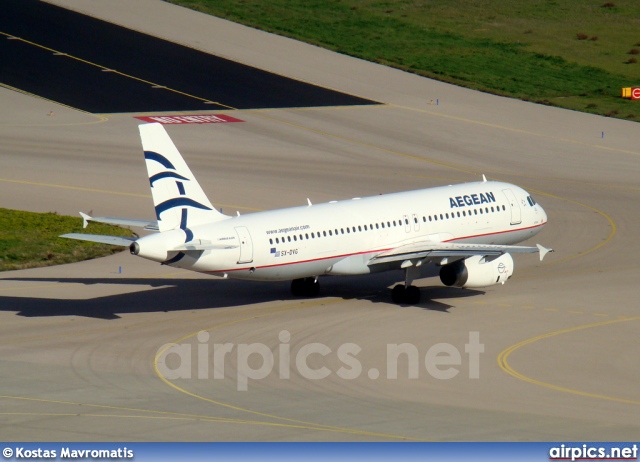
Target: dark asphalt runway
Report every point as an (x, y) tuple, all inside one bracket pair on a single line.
[(31, 32)]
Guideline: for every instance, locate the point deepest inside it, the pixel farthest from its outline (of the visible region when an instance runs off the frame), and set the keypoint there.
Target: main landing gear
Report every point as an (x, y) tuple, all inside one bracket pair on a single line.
[(307, 287), (406, 293), (409, 295), (402, 294)]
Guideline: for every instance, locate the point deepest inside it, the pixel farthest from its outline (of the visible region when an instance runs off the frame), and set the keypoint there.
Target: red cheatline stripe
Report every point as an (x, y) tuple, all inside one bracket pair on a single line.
[(361, 253), (298, 262)]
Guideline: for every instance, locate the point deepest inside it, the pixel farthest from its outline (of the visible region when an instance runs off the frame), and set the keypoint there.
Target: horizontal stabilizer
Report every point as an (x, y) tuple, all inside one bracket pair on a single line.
[(149, 225), (102, 239)]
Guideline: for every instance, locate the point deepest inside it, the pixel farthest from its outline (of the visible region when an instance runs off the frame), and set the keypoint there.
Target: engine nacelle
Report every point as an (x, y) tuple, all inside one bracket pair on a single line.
[(477, 271)]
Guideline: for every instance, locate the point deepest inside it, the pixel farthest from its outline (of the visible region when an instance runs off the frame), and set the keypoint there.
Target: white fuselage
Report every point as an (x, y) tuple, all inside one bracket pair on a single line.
[(340, 237)]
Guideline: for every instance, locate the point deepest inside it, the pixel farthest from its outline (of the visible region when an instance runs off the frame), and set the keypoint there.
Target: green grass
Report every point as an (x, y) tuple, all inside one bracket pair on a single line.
[(525, 49), (30, 240)]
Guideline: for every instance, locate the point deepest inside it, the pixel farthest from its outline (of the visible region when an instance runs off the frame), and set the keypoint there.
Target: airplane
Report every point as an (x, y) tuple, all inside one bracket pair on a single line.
[(464, 232)]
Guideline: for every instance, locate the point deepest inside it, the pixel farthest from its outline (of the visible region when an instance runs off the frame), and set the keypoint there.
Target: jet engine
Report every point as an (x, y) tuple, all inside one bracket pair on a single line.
[(477, 271)]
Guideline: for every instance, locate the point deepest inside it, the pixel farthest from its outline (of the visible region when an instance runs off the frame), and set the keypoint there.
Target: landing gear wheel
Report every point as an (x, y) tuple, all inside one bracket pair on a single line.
[(297, 287), (307, 287), (397, 294), (409, 295), (312, 287), (412, 295)]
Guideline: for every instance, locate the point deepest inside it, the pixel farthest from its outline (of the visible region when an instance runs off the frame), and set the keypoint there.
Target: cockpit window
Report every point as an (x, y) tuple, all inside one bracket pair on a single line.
[(531, 201)]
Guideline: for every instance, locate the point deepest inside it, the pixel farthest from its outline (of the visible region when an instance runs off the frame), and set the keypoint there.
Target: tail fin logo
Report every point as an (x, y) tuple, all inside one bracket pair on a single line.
[(162, 160), (179, 201), (176, 201), (161, 175)]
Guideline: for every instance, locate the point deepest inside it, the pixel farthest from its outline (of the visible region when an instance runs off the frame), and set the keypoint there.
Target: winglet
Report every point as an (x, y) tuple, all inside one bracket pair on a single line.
[(543, 251), (484, 178), (85, 219)]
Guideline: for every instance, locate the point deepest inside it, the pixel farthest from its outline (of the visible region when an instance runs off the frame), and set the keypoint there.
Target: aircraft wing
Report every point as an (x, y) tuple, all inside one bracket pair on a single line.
[(149, 225), (449, 252), (102, 239)]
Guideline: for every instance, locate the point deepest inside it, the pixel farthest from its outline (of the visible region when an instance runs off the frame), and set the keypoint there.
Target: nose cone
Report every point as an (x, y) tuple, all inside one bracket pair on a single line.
[(543, 215)]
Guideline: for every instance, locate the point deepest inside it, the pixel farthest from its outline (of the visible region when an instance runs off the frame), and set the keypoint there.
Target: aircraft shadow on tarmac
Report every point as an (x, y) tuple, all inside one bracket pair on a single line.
[(168, 295)]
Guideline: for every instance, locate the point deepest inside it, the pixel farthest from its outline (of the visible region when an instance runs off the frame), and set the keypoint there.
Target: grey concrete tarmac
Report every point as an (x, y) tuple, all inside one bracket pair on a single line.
[(81, 344)]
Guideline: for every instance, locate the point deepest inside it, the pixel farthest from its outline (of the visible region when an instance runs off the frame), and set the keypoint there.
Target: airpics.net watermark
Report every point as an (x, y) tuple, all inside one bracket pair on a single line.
[(257, 361)]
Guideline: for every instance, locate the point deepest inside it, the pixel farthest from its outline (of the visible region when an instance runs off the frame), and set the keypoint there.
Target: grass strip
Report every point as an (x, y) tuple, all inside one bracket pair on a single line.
[(575, 54), (30, 240)]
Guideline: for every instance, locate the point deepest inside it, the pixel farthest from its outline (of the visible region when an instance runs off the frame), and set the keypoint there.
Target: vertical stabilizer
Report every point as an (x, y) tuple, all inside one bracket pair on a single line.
[(179, 200)]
